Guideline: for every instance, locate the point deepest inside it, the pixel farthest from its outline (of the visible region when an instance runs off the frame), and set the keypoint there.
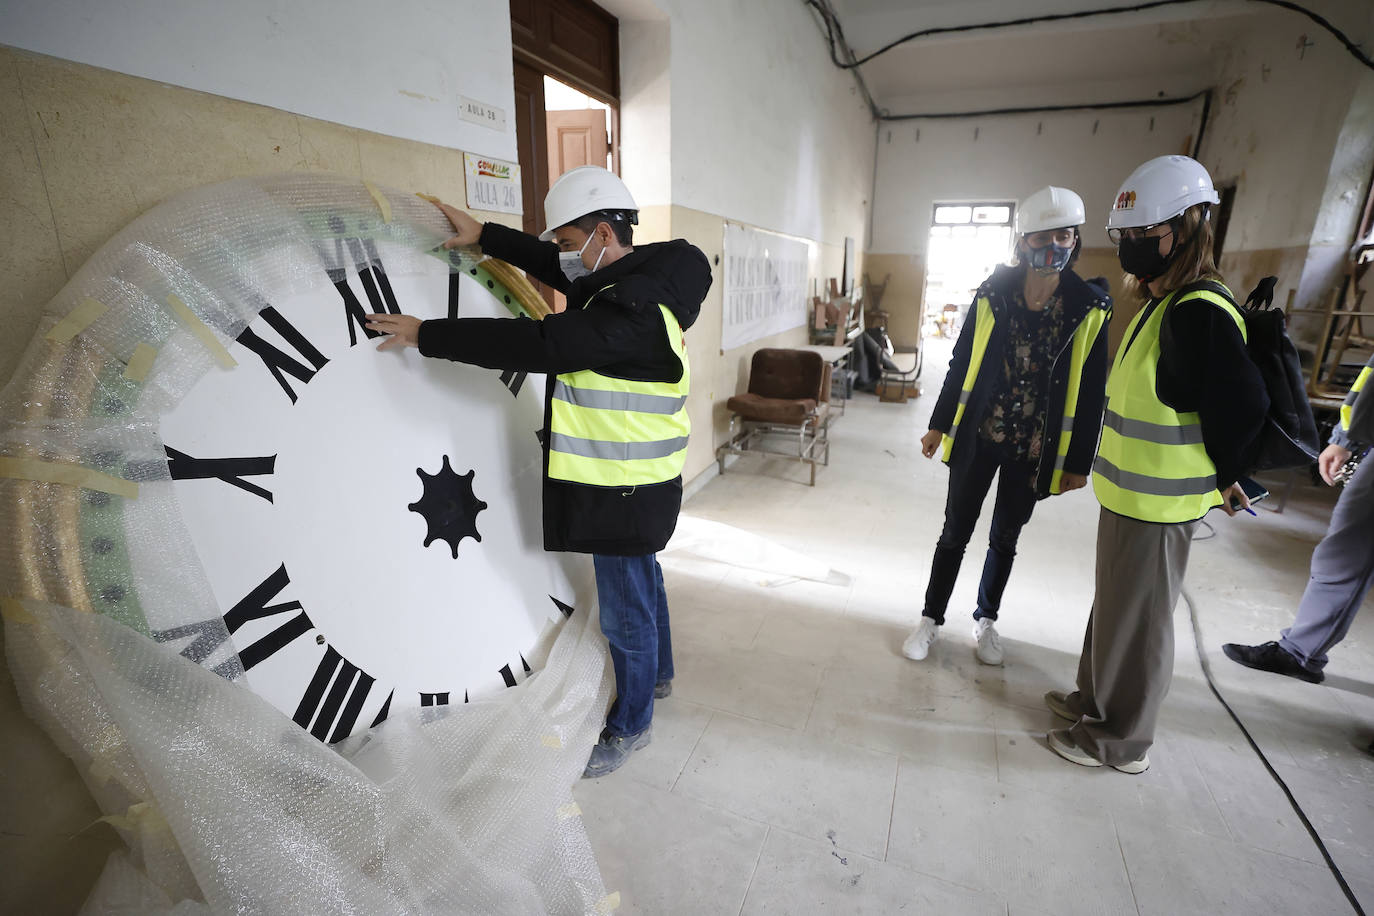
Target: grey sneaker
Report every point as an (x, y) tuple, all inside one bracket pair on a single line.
[(663, 689), (1058, 703), (1061, 742), (613, 750)]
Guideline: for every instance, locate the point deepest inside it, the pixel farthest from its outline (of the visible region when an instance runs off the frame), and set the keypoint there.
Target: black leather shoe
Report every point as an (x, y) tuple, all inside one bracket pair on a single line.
[(663, 689), (1272, 657)]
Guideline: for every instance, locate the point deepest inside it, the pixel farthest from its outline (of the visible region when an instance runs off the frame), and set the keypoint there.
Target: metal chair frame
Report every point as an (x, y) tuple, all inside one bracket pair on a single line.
[(809, 440)]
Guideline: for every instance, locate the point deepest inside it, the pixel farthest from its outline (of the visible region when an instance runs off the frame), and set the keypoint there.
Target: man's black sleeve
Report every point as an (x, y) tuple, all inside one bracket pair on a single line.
[(536, 258), (1208, 369), (601, 334)]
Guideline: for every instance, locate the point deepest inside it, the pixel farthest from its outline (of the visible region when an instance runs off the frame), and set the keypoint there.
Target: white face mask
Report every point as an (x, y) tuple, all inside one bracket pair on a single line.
[(571, 261)]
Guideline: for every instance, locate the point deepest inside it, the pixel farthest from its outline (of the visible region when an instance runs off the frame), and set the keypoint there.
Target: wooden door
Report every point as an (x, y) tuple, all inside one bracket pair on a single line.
[(530, 139), (576, 138)]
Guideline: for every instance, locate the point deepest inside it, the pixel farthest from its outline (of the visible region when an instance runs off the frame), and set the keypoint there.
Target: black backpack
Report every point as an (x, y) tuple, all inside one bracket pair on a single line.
[(1289, 437)]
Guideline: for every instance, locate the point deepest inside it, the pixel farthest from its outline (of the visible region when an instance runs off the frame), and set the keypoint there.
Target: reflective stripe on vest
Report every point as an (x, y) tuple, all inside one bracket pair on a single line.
[(1348, 407), (982, 331), (1151, 464), (1084, 336), (614, 432)]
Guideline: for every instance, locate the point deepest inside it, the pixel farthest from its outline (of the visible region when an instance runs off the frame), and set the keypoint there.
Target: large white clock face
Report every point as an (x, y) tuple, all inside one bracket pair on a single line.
[(369, 522)]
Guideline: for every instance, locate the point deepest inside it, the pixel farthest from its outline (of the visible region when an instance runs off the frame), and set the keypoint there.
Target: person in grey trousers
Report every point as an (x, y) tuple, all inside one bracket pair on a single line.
[(1342, 564)]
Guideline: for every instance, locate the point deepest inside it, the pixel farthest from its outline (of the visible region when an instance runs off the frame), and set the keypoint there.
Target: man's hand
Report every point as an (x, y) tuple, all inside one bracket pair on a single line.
[(1069, 482), (930, 442), (468, 229), (1237, 492), (1330, 461), (404, 330)]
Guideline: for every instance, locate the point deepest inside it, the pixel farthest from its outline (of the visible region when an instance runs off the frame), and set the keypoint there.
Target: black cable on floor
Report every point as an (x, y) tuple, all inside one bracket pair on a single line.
[(1302, 816)]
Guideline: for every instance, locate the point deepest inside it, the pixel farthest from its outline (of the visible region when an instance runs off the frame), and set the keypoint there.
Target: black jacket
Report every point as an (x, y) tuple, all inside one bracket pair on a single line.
[(1080, 298), (1204, 366), (616, 331)]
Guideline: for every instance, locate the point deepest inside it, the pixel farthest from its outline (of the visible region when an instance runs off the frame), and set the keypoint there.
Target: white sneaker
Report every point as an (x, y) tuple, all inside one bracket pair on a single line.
[(989, 643), (917, 645)]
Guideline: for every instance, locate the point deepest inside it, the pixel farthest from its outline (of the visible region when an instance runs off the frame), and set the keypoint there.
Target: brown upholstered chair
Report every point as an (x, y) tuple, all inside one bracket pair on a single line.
[(785, 412)]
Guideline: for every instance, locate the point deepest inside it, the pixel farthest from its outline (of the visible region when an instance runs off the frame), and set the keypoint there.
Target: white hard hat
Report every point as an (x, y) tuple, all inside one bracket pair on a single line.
[(1049, 208), (1160, 190), (585, 189)]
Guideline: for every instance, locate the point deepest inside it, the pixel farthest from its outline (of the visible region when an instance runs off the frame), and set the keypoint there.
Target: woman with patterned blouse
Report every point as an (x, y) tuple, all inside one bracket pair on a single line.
[(1022, 401)]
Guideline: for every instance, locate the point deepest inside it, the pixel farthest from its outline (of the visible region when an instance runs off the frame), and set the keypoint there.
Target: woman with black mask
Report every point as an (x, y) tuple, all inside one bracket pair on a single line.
[(1022, 401), (1184, 405)]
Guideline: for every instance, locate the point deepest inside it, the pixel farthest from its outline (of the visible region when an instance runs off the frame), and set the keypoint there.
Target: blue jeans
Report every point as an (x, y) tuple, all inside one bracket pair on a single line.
[(969, 481), (634, 617)]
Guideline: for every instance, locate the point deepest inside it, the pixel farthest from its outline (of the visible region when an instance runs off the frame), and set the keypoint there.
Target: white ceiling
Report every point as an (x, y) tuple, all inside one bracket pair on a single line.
[(1170, 51)]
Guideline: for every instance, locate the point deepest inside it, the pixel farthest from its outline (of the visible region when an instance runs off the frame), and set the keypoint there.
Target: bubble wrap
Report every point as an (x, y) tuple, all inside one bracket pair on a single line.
[(225, 804)]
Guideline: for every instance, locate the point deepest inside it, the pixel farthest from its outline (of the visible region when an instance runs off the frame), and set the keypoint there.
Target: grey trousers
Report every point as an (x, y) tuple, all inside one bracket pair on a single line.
[(1128, 649), (1342, 570)]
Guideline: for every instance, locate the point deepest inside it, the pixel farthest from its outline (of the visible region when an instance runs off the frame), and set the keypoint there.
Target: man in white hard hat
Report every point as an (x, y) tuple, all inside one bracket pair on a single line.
[(615, 410)]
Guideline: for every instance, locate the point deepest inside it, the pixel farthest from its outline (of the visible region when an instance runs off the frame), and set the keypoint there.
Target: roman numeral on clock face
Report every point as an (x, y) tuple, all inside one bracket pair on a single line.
[(381, 298), (230, 470), (513, 380), (277, 361), (254, 606), (434, 699), (337, 691)]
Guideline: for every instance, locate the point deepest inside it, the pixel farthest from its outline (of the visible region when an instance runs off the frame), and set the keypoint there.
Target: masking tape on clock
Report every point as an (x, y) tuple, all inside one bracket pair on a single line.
[(552, 741), (140, 816), (72, 475), (571, 809), (13, 610), (382, 203), (140, 363), (202, 332), (77, 320), (609, 904)]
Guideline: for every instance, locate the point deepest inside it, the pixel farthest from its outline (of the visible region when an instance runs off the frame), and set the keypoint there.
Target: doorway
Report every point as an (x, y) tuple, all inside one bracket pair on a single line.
[(967, 240), (567, 88)]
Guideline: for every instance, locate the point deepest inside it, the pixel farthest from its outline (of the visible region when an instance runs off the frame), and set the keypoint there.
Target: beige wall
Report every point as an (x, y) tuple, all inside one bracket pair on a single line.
[(717, 374), (83, 151)]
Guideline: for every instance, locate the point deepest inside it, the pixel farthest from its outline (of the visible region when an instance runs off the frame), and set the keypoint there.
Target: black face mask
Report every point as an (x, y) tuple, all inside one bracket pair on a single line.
[(1141, 257)]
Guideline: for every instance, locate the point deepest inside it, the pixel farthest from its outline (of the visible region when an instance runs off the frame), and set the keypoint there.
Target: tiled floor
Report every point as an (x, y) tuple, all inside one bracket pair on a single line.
[(803, 765)]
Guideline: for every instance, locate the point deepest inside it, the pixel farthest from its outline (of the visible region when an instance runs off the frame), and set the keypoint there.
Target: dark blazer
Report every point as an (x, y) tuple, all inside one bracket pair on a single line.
[(1080, 298)]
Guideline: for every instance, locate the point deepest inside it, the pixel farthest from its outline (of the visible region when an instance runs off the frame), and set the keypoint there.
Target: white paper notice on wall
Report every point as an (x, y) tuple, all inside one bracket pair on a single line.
[(481, 113), (765, 284), (493, 184)]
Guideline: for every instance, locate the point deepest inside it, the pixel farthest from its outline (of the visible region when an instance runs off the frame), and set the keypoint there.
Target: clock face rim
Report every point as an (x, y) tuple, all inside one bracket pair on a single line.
[(59, 564)]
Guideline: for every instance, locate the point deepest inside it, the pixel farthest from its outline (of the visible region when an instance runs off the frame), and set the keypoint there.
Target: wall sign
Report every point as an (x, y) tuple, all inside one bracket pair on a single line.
[(481, 113), (765, 284), (492, 184)]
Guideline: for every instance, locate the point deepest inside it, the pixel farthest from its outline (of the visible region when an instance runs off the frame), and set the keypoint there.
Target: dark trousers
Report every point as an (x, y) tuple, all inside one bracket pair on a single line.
[(634, 618), (969, 481)]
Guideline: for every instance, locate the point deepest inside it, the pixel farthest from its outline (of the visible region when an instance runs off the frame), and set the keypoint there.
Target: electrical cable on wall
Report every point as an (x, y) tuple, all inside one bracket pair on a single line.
[(855, 61)]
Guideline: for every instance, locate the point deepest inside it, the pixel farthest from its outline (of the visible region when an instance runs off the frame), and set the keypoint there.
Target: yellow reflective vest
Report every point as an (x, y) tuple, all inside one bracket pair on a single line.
[(1081, 344), (1348, 406), (1151, 463), (615, 432)]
